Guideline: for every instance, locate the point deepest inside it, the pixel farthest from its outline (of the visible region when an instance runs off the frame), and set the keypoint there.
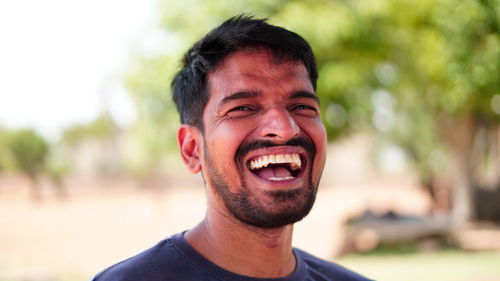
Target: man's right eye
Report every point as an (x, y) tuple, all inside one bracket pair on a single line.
[(240, 111)]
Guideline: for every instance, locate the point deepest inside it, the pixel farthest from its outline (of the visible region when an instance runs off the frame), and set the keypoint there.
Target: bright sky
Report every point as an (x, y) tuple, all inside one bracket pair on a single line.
[(61, 60)]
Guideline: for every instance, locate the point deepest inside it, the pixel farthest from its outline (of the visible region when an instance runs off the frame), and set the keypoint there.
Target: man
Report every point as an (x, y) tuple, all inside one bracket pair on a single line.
[(251, 124)]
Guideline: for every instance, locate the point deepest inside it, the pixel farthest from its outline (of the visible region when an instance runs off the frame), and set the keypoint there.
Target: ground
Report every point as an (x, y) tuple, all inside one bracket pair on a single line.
[(102, 222)]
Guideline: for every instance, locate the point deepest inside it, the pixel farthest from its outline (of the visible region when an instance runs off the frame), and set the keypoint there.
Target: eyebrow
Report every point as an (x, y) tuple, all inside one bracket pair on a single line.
[(240, 95), (304, 94)]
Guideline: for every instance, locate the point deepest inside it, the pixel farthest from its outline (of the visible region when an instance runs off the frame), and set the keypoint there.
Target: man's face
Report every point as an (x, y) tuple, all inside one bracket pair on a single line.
[(264, 143)]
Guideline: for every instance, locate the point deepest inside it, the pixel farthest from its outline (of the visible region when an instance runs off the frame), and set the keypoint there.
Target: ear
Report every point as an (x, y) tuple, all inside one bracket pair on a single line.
[(190, 143)]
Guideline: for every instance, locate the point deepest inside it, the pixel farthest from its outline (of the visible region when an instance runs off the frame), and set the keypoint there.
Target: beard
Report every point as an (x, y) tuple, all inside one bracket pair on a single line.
[(287, 206)]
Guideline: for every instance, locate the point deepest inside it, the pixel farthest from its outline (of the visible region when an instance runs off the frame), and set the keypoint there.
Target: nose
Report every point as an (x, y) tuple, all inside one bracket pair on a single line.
[(278, 125)]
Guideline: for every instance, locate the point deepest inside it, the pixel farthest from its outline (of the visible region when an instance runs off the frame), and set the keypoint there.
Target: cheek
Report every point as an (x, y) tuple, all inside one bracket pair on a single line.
[(222, 145), (317, 131)]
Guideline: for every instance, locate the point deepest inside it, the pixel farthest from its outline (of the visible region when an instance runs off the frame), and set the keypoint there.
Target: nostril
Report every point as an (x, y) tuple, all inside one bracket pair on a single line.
[(277, 123)]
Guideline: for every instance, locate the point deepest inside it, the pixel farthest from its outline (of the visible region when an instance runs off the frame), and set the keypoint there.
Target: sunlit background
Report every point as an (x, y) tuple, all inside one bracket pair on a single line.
[(410, 95)]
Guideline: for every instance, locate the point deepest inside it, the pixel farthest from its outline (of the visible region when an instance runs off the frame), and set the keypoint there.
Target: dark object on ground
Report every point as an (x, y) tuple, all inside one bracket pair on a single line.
[(487, 203), (370, 230)]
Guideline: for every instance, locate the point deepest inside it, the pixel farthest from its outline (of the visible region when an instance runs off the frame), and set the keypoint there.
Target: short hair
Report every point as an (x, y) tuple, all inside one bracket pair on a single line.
[(189, 86)]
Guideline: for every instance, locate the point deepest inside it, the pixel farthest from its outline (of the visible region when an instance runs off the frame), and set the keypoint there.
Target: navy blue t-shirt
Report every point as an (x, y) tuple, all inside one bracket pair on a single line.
[(173, 259)]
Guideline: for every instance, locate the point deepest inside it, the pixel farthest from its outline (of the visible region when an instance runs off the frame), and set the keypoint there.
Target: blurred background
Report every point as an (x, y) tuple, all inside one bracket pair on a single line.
[(410, 90)]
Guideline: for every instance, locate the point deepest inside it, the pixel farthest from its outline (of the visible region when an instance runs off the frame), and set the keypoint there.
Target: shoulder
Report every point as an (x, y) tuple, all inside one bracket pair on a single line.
[(155, 263), (321, 269)]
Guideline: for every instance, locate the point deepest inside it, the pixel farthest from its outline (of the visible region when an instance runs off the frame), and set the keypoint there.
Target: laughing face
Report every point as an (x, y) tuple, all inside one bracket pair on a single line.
[(264, 144)]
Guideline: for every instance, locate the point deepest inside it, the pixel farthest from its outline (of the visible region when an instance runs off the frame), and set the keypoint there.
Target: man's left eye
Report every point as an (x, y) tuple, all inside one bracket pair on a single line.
[(305, 110), (241, 108), (303, 107)]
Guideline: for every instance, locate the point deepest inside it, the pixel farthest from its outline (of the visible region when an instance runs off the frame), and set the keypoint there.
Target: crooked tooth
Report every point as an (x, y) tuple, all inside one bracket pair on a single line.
[(296, 163)]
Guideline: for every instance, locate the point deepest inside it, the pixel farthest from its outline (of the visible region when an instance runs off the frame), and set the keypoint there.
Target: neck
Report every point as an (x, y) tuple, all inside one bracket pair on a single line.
[(243, 249)]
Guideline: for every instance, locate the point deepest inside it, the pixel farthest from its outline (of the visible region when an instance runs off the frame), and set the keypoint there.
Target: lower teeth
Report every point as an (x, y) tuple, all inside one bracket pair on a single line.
[(281, 179)]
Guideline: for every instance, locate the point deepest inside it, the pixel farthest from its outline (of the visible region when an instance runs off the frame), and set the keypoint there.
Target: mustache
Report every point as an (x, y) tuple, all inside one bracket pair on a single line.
[(302, 141)]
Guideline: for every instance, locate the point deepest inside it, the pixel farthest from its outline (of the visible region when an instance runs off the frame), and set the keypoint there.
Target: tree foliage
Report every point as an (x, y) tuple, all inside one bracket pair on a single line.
[(28, 151)]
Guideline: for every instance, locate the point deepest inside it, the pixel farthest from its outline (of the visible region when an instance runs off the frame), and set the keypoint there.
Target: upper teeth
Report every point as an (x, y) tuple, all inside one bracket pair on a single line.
[(263, 161)]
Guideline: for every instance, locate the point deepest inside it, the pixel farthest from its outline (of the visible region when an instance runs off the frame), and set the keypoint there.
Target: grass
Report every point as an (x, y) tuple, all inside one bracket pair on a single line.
[(442, 265)]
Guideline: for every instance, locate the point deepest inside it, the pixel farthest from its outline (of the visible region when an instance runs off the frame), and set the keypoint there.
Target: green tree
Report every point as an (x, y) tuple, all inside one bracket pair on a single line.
[(28, 152)]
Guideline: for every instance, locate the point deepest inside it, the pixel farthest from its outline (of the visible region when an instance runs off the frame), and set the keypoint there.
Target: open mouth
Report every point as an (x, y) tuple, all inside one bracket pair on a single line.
[(279, 167)]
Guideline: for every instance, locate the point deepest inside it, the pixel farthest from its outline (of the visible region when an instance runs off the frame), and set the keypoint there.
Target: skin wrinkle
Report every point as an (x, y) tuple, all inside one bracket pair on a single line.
[(240, 94), (271, 65)]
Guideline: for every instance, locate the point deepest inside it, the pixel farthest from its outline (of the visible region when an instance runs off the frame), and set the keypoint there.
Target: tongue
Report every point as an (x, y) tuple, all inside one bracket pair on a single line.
[(278, 172)]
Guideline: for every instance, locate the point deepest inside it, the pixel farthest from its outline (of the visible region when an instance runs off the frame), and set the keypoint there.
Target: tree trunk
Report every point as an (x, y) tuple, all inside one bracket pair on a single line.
[(462, 197), (458, 138)]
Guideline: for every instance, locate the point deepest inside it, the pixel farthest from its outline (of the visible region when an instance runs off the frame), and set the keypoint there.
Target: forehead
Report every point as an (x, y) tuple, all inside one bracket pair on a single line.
[(257, 70)]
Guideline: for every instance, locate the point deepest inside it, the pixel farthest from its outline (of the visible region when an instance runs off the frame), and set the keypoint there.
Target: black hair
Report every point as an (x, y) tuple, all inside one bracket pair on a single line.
[(189, 86)]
